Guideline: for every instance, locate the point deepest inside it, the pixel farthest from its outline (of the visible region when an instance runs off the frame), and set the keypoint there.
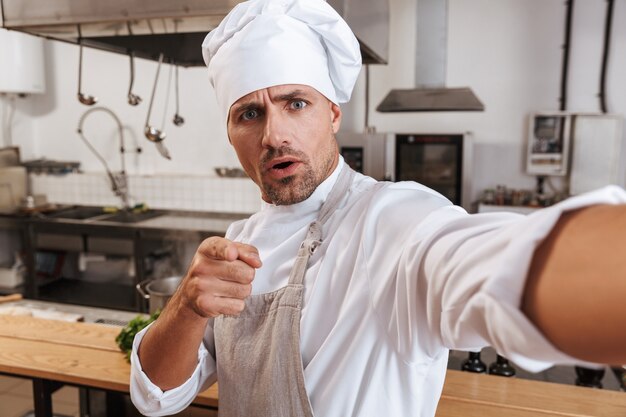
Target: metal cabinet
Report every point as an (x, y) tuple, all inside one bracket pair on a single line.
[(99, 263)]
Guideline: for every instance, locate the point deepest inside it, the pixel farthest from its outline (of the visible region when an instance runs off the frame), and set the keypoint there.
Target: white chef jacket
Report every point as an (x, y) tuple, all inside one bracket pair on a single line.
[(402, 276)]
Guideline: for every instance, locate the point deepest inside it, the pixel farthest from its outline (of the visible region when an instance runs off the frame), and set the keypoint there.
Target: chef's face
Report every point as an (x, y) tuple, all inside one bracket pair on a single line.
[(284, 137)]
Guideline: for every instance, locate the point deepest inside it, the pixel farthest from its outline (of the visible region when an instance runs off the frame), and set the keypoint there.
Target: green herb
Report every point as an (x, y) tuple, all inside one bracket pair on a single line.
[(125, 339)]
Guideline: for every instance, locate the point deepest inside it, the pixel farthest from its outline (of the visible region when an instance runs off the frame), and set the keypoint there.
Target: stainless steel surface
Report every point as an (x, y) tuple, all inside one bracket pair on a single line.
[(97, 214), (187, 222), (432, 43), (178, 119), (90, 314), (57, 241), (110, 245), (79, 213), (369, 20), (430, 99), (230, 172), (374, 149), (133, 99), (85, 99), (379, 158), (124, 216), (158, 292), (46, 166), (165, 153), (176, 29), (152, 133), (430, 92), (150, 220), (119, 181)]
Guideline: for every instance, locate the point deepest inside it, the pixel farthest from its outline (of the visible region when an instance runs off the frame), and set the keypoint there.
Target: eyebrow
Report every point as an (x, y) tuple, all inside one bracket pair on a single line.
[(253, 105), (290, 96)]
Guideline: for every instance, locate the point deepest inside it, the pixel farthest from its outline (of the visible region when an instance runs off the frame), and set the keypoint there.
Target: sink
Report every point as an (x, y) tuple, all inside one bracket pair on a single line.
[(92, 214), (129, 216), (79, 213)]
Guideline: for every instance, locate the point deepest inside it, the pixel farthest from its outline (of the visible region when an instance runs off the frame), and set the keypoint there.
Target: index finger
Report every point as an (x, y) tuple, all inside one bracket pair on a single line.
[(227, 250)]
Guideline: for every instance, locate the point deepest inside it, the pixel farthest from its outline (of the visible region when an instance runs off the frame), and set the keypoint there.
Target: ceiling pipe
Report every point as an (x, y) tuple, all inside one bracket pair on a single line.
[(605, 53), (569, 14)]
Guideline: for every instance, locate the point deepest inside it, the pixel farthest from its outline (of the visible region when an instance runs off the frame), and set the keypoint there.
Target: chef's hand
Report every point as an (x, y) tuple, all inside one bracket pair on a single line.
[(220, 277)]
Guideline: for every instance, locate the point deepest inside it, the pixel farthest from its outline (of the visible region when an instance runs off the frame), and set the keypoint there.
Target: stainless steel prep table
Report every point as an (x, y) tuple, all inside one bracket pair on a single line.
[(103, 234)]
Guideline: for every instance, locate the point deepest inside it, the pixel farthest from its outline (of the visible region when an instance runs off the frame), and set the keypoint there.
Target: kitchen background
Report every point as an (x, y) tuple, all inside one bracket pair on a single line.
[(509, 52)]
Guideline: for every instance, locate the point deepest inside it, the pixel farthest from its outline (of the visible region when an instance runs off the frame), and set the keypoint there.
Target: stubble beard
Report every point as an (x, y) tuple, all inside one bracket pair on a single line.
[(295, 188)]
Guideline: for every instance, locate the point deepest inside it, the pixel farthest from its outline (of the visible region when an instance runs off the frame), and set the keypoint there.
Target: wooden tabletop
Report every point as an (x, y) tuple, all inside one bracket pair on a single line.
[(479, 395), (86, 354), (75, 353)]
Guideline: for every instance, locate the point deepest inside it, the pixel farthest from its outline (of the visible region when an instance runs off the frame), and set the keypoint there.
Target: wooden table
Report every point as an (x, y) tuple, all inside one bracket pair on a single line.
[(81, 354), (85, 355), (478, 395)]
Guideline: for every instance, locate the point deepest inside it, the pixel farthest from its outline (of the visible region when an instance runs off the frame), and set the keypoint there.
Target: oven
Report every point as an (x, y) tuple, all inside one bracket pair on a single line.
[(439, 161)]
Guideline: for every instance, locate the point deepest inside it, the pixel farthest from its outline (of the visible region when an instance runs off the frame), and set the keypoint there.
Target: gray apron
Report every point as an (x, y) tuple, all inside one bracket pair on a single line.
[(259, 365)]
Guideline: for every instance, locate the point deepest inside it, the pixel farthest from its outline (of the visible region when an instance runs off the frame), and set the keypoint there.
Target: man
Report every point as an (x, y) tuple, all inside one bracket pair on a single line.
[(342, 296)]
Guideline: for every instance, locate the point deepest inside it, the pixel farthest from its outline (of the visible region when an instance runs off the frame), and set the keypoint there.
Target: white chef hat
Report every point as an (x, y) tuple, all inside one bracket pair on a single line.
[(263, 43)]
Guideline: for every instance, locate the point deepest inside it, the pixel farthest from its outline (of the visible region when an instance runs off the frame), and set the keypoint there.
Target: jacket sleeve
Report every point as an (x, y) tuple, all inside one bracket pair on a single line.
[(456, 281), (150, 400)]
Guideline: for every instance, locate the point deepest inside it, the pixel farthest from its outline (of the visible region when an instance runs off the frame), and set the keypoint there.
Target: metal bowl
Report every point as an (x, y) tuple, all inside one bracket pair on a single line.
[(158, 292)]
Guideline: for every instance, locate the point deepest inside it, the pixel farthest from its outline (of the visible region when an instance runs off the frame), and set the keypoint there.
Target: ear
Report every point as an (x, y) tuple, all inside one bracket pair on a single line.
[(335, 116), (228, 127)]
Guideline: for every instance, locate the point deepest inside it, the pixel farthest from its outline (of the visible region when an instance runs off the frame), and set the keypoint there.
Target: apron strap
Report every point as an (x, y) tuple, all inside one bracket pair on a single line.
[(313, 237), (337, 193)]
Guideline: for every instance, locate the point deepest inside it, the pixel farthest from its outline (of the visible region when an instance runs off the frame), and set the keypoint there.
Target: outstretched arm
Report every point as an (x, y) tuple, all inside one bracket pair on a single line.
[(576, 287)]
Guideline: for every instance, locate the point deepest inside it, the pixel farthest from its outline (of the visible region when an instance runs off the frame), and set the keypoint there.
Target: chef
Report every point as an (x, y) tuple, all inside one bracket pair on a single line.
[(343, 295)]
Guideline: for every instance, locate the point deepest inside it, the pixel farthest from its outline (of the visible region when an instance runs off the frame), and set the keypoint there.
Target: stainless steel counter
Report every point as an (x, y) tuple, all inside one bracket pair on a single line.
[(183, 222), (93, 218), (90, 314), (53, 242)]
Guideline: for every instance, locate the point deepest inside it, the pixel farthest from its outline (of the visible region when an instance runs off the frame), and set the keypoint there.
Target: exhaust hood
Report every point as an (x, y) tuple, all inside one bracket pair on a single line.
[(174, 28), (431, 93)]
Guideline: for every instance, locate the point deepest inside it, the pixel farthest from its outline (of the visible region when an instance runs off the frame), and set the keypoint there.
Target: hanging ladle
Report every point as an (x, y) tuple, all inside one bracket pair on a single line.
[(86, 99), (152, 133), (178, 119), (133, 99)]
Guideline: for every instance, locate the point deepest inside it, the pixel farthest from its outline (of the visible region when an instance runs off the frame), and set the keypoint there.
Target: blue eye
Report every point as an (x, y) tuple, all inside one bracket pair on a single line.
[(298, 104), (249, 114)]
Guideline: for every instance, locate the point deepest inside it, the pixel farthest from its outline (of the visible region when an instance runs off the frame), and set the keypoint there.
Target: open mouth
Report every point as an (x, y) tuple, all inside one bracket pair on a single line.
[(282, 165)]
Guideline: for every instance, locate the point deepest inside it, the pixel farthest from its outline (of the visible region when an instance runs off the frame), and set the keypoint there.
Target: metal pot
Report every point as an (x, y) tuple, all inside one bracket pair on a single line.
[(158, 291)]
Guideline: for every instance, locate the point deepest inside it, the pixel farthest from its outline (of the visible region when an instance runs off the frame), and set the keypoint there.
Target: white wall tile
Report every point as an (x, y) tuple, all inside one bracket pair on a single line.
[(176, 192)]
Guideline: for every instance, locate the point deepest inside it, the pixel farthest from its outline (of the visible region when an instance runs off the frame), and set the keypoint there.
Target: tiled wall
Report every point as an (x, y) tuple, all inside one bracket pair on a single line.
[(176, 192)]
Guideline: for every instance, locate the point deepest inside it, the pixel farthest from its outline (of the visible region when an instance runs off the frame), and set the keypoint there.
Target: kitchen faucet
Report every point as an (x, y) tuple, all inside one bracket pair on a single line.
[(119, 181)]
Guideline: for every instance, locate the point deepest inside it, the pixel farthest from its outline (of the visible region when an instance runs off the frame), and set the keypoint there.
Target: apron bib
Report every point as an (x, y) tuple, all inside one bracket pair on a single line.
[(259, 365)]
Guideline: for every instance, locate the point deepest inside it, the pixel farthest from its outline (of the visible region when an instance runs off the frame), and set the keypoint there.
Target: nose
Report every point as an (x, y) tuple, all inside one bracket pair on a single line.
[(275, 130)]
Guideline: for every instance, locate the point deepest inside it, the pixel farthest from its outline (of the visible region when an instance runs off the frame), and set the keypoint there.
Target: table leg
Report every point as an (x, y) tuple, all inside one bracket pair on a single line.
[(42, 397), (115, 406), (84, 405)]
